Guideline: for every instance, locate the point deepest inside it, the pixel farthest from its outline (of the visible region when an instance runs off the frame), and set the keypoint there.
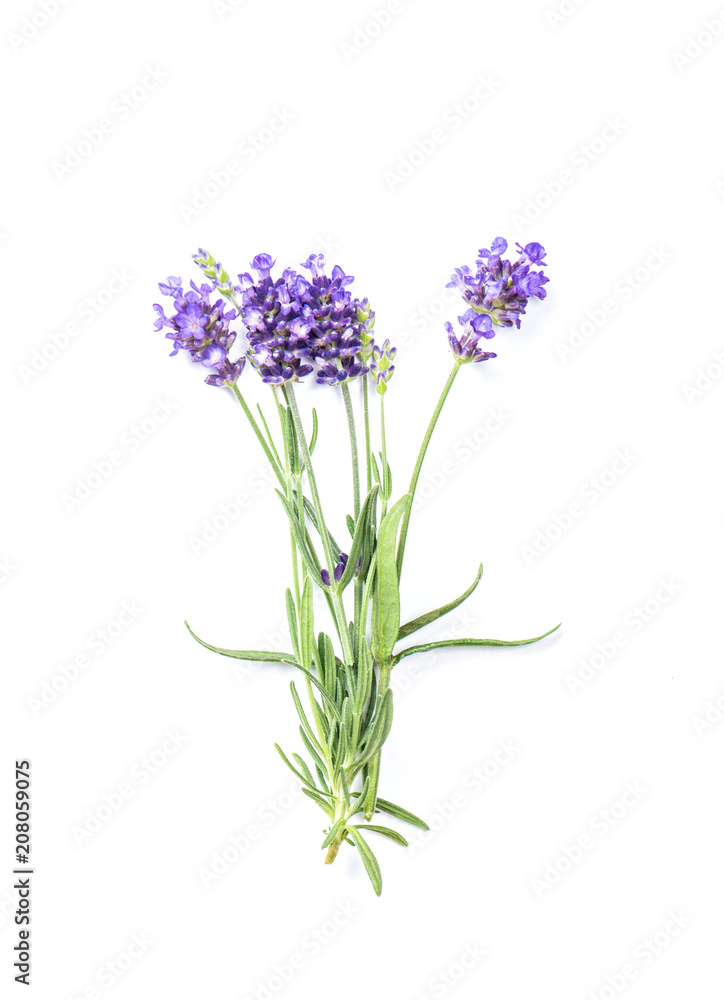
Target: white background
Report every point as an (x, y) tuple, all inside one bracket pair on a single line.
[(642, 198)]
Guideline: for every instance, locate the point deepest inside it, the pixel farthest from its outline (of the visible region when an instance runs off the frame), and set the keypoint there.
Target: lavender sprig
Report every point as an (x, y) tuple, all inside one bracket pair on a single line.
[(288, 328)]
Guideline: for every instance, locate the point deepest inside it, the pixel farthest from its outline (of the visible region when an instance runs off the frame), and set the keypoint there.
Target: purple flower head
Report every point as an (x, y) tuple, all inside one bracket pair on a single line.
[(200, 326), (227, 372), (499, 288), (294, 318), (381, 365), (366, 318), (330, 374), (465, 345)]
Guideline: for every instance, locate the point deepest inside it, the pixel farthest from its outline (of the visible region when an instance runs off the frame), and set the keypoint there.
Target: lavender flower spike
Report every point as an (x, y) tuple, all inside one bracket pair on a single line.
[(500, 288), (465, 345), (381, 365)]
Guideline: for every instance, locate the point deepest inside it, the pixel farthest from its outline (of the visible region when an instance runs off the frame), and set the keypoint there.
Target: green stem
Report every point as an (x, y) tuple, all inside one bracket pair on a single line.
[(383, 471), (373, 768), (289, 488), (368, 448), (353, 447), (340, 812), (418, 465), (340, 616), (257, 430)]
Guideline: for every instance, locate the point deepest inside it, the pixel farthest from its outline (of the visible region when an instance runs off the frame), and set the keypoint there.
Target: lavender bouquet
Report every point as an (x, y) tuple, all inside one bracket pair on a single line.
[(298, 326)]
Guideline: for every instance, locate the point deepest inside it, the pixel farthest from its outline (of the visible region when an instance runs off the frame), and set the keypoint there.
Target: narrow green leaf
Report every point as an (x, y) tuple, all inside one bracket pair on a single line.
[(315, 432), (375, 469), (306, 622), (360, 804), (247, 654), (345, 789), (370, 862), (341, 750), (350, 525), (292, 621), (292, 443), (403, 814), (270, 439), (312, 515), (303, 718), (385, 831), (304, 768), (324, 693), (378, 731), (313, 751), (322, 803), (292, 768), (386, 599), (432, 616), (360, 534), (300, 539), (332, 833), (447, 643)]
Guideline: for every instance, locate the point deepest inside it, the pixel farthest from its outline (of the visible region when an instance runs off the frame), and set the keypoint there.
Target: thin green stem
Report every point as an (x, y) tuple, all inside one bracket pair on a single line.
[(353, 448), (383, 471), (257, 430), (368, 448), (418, 465), (373, 768), (337, 603)]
